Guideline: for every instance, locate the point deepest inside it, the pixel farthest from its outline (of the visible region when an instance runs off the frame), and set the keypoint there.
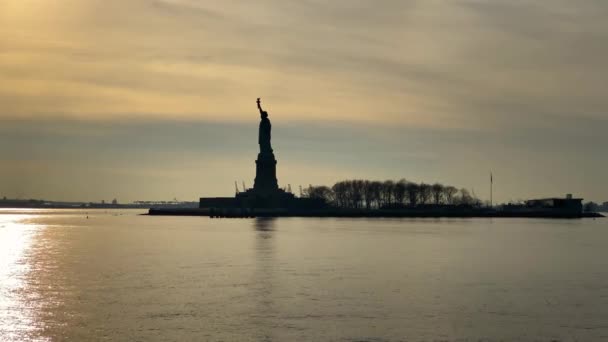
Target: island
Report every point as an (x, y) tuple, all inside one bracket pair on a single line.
[(267, 199)]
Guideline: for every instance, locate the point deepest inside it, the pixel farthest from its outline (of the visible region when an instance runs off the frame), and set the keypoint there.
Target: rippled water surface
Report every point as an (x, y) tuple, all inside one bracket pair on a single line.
[(120, 276)]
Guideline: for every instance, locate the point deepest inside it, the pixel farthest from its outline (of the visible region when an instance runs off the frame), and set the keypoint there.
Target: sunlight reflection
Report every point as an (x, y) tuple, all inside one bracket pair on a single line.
[(17, 321)]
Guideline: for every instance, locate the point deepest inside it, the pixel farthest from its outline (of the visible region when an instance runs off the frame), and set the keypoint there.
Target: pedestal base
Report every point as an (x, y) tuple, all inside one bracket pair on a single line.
[(267, 199), (266, 174)]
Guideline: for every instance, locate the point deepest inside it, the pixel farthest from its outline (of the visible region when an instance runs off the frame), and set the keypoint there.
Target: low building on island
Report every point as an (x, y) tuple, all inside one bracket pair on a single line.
[(566, 206)]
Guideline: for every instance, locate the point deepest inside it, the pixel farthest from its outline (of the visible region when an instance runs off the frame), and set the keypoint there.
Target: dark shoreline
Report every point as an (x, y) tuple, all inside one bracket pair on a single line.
[(413, 213)]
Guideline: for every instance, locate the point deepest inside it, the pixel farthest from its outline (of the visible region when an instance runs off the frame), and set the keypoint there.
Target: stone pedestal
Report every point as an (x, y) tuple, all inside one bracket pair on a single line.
[(265, 192), (266, 174)]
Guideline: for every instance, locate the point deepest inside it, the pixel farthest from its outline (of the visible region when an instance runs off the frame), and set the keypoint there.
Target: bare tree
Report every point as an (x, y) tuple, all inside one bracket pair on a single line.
[(412, 190), (376, 189), (464, 197), (368, 194), (437, 190), (357, 189), (321, 192), (448, 193), (425, 193), (387, 192), (399, 191), (340, 194)]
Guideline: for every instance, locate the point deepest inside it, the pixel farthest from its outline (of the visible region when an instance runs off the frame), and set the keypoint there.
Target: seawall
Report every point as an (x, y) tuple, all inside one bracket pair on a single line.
[(464, 213)]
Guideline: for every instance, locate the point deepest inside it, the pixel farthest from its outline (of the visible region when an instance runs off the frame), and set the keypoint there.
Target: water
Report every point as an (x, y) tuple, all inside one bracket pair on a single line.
[(119, 276)]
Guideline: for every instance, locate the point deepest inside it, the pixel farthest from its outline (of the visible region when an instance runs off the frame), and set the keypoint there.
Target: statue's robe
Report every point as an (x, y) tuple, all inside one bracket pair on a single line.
[(264, 136)]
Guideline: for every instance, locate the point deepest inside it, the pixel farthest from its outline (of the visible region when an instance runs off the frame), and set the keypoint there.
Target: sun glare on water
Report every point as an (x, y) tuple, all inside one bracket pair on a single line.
[(17, 320)]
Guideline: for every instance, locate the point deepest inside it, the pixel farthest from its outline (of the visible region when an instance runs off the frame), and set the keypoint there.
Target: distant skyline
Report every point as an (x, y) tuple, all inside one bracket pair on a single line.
[(155, 99)]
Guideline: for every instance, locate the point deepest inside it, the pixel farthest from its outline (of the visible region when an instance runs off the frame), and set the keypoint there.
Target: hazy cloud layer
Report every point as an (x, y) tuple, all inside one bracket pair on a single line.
[(493, 83), (161, 160), (447, 63)]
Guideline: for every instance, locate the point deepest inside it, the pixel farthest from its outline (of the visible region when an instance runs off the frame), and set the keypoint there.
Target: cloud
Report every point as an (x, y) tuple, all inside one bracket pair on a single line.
[(423, 63)]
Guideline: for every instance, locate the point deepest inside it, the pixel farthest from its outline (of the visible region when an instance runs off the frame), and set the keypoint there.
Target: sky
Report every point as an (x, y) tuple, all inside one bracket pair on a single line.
[(155, 99)]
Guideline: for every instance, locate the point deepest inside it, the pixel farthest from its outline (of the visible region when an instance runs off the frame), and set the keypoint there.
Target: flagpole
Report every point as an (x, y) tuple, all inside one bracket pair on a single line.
[(491, 190)]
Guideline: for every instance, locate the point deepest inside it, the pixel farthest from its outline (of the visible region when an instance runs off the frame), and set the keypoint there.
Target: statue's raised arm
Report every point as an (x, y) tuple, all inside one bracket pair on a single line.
[(260, 105)]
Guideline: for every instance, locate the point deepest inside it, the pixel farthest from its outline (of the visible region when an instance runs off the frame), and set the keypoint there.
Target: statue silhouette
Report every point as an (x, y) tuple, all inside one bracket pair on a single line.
[(264, 133)]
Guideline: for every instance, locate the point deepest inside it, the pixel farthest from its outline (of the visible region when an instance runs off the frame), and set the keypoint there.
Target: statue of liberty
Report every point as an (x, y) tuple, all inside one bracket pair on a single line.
[(264, 133)]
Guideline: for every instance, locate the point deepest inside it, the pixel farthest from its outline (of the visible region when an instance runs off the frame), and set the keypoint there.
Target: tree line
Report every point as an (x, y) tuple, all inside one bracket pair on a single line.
[(366, 194)]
